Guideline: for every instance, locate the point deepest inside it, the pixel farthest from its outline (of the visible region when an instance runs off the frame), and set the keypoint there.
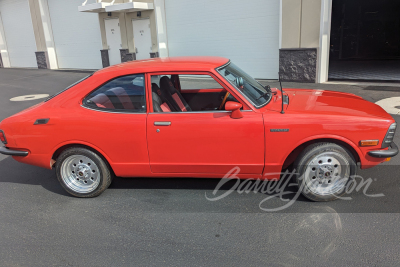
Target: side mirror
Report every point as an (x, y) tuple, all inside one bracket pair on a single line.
[(239, 82), (235, 108)]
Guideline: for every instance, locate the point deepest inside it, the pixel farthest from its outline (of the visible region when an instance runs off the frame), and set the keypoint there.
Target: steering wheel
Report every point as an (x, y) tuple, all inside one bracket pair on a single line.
[(224, 100)]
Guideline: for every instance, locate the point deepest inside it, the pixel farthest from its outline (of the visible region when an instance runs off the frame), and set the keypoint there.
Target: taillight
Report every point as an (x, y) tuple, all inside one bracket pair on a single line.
[(3, 137), (389, 135)]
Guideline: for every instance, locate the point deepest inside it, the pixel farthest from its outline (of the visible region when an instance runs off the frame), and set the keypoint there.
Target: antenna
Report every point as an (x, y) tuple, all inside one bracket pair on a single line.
[(280, 82)]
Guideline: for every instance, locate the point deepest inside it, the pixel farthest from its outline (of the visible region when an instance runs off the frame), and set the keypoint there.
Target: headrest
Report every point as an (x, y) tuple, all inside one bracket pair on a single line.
[(166, 84), (155, 89)]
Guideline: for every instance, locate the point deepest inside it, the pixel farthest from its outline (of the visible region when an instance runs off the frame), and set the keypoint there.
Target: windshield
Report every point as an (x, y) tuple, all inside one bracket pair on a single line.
[(252, 89)]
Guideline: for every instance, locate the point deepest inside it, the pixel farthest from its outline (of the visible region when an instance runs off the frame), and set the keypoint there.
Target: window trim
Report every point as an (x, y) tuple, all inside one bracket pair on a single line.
[(200, 112), (121, 111), (215, 77)]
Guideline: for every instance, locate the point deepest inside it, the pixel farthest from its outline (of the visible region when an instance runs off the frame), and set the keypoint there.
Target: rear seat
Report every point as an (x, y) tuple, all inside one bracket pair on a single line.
[(102, 101), (123, 97), (115, 98)]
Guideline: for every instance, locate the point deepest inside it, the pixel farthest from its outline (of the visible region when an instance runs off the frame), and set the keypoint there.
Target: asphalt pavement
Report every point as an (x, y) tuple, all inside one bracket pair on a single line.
[(172, 222)]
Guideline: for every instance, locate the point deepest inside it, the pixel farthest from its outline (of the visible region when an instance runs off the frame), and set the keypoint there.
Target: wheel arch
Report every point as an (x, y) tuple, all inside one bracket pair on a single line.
[(291, 157), (88, 146)]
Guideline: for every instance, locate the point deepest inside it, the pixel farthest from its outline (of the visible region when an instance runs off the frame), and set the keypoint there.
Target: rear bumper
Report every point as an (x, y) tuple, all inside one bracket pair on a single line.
[(9, 152), (391, 152)]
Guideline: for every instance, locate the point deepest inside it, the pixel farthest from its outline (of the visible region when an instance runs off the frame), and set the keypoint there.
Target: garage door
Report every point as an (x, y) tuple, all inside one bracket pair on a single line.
[(19, 34), (76, 35), (247, 32)]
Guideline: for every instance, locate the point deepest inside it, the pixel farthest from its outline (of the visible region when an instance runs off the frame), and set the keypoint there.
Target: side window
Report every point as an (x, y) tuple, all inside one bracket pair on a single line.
[(125, 94), (190, 82), (183, 93)]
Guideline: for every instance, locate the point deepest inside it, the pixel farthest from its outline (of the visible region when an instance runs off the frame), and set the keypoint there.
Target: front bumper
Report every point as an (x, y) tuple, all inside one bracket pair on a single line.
[(9, 152), (391, 152)]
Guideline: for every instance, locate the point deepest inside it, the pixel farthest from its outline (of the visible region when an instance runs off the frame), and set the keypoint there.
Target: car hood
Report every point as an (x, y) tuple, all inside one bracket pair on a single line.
[(332, 103)]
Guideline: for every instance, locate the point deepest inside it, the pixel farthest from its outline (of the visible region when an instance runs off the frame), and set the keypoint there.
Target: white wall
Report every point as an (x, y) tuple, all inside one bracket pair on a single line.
[(247, 32), (18, 31), (76, 35)]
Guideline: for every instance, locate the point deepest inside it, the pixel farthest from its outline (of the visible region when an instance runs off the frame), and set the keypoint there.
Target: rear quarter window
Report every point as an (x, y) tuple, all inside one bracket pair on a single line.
[(122, 94)]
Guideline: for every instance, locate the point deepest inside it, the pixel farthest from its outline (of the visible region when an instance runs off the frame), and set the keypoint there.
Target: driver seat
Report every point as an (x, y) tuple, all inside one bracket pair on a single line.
[(159, 103), (173, 95)]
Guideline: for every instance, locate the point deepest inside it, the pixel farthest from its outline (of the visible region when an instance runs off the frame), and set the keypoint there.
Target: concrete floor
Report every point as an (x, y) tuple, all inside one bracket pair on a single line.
[(169, 222), (377, 70)]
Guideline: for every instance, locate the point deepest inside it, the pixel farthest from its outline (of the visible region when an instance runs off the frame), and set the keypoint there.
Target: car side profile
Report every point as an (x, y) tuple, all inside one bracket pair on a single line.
[(197, 117)]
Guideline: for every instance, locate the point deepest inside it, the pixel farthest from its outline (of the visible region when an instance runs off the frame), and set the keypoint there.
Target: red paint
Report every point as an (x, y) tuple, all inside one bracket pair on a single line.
[(198, 144)]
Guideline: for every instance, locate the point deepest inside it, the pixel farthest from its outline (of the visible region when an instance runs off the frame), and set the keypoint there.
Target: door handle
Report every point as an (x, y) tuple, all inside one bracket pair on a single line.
[(162, 123)]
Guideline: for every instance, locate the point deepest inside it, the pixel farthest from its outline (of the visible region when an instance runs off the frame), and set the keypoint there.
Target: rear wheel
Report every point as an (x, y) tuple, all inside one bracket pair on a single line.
[(325, 170), (83, 173)]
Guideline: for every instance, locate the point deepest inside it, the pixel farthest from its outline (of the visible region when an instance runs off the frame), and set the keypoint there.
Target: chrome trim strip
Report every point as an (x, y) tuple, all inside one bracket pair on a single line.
[(196, 112), (110, 111), (186, 112), (390, 132)]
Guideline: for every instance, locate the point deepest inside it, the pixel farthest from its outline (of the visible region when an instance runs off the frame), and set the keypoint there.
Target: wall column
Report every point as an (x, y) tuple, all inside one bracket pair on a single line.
[(325, 34), (46, 54), (300, 54), (161, 26)]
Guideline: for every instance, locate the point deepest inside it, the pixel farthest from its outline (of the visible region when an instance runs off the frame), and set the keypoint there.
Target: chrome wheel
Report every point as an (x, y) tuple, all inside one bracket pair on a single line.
[(327, 174), (80, 174)]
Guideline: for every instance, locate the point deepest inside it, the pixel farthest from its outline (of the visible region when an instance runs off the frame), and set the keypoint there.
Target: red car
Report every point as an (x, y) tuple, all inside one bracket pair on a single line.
[(197, 117)]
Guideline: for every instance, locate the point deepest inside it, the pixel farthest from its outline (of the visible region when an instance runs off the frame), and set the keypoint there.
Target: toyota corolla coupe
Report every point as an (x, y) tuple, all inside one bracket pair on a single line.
[(197, 117)]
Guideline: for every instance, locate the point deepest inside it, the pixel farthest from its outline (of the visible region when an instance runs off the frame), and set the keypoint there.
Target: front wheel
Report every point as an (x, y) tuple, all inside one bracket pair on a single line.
[(325, 170), (82, 173)]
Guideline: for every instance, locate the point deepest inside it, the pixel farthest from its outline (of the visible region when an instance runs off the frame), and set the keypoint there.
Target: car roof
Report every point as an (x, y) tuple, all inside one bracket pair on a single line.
[(168, 64)]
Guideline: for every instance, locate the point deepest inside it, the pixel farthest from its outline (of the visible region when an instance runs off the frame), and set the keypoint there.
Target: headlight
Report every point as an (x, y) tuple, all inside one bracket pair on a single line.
[(389, 135)]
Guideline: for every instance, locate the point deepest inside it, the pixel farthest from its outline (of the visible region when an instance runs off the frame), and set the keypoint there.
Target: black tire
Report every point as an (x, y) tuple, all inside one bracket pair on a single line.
[(313, 152), (104, 174)]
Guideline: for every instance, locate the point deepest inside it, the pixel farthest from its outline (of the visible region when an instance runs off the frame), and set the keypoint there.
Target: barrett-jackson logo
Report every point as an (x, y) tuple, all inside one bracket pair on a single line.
[(279, 130)]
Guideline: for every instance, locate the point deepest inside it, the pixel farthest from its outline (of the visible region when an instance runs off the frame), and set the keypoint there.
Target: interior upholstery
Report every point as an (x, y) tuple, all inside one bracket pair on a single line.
[(123, 97), (204, 101), (159, 103), (117, 98), (102, 101), (164, 96), (173, 96)]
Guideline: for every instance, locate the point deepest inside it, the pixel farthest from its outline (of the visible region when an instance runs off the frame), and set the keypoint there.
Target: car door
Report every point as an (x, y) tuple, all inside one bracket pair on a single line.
[(209, 142)]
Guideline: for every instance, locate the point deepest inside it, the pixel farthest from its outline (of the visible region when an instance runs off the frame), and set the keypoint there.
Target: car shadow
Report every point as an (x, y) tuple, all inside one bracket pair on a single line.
[(12, 171)]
